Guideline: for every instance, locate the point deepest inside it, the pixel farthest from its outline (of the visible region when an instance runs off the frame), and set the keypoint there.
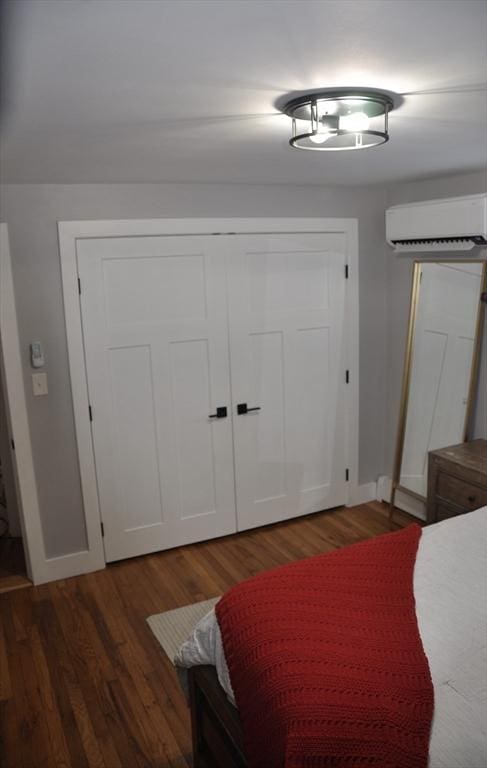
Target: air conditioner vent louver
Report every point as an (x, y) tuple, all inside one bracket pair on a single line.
[(454, 224), (420, 240)]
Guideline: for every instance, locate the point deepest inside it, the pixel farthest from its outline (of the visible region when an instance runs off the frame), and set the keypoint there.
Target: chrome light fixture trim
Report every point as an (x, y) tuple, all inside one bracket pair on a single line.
[(335, 119)]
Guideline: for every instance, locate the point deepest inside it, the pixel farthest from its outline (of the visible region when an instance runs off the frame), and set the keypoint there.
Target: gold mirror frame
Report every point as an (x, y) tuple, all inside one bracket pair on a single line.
[(406, 379)]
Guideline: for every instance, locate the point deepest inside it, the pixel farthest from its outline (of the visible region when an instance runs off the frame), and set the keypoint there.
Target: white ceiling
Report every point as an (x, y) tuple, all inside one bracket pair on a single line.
[(184, 90)]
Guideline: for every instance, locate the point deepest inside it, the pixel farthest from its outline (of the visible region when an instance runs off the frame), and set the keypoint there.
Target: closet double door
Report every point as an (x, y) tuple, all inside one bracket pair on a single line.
[(215, 369)]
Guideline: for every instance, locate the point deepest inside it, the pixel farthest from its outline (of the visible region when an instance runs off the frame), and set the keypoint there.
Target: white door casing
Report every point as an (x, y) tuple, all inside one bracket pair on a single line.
[(17, 422), (156, 343), (73, 234), (286, 309)]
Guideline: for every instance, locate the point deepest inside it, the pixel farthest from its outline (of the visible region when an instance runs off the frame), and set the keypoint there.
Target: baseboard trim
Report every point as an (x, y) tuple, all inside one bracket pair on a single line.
[(78, 563), (361, 494), (402, 501)]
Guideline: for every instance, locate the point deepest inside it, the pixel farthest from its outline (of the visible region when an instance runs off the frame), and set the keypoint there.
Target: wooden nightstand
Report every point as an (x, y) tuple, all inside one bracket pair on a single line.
[(457, 480)]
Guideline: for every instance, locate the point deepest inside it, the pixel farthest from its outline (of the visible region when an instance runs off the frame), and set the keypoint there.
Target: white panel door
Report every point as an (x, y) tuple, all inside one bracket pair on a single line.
[(156, 344), (286, 311)]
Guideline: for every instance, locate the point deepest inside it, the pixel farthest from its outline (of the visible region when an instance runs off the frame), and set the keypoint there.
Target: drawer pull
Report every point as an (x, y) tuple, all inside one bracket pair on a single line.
[(471, 499)]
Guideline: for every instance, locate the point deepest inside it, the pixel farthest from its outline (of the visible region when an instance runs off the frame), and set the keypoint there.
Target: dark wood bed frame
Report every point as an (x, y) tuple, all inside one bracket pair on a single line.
[(215, 723)]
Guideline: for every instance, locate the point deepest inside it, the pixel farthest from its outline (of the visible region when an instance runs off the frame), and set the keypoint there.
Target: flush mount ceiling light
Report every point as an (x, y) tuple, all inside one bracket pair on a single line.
[(338, 119)]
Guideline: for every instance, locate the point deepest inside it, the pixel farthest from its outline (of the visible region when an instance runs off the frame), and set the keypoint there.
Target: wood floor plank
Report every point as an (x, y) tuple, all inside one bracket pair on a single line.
[(85, 684), (212, 586), (21, 744), (9, 746), (62, 680), (5, 684), (105, 667), (11, 710), (140, 658), (137, 756), (37, 731), (92, 669), (160, 738), (59, 749)]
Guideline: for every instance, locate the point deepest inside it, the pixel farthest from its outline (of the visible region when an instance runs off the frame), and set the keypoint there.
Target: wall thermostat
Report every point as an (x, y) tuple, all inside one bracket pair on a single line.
[(37, 354)]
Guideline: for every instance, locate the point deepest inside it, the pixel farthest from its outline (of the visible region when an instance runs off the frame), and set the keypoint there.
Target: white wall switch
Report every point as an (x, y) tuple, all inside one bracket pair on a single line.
[(39, 384)]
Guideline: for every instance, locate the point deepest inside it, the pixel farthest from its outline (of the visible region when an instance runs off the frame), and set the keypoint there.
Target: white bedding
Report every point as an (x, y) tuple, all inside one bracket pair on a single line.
[(450, 587)]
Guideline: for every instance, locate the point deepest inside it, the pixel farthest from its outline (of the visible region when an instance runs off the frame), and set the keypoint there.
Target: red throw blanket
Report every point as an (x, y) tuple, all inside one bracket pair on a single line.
[(326, 660)]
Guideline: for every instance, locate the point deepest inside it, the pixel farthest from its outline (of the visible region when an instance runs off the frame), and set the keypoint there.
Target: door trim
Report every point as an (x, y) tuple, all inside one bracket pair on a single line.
[(17, 422), (71, 231)]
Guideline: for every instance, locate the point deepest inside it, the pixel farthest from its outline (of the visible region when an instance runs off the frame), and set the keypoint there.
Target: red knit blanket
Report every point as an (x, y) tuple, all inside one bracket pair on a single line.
[(326, 660)]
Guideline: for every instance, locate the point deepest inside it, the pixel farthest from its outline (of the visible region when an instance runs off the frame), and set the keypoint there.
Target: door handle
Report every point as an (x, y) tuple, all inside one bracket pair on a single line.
[(242, 408), (221, 413)]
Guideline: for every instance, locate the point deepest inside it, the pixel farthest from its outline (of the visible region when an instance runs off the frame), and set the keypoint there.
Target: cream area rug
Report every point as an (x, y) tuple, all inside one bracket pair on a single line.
[(172, 628)]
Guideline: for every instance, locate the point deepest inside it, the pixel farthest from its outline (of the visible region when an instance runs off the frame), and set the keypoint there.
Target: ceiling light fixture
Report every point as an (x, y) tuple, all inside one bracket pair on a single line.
[(338, 119)]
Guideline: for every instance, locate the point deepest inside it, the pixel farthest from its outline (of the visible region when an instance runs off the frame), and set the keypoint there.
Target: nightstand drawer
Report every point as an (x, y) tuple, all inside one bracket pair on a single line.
[(457, 480), (444, 511), (464, 495)]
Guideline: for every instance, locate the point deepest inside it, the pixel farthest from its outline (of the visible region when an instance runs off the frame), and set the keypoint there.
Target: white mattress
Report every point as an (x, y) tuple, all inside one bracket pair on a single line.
[(450, 587)]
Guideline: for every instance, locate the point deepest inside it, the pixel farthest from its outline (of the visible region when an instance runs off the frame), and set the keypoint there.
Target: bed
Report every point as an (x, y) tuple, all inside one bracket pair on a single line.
[(450, 584)]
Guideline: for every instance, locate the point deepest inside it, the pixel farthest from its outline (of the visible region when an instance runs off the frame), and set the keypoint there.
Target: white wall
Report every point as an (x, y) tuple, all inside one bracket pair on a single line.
[(32, 213), (399, 272)]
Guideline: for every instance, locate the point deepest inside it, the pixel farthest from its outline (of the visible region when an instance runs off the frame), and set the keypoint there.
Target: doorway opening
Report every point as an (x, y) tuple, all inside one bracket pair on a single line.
[(13, 572)]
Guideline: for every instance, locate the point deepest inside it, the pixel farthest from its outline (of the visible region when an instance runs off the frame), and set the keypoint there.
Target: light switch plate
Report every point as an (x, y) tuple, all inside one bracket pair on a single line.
[(39, 384)]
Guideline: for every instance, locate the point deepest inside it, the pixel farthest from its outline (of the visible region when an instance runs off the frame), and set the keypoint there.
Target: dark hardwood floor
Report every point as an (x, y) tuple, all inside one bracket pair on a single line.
[(84, 683)]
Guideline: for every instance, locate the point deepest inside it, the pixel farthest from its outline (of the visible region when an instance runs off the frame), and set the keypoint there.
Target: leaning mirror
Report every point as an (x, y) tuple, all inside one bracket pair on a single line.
[(440, 371)]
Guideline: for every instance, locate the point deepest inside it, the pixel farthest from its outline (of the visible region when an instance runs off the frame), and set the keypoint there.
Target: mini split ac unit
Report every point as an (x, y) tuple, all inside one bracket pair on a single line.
[(451, 224)]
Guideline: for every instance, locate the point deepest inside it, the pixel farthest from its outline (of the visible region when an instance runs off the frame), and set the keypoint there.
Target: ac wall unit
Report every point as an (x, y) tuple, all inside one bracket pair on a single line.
[(451, 224)]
